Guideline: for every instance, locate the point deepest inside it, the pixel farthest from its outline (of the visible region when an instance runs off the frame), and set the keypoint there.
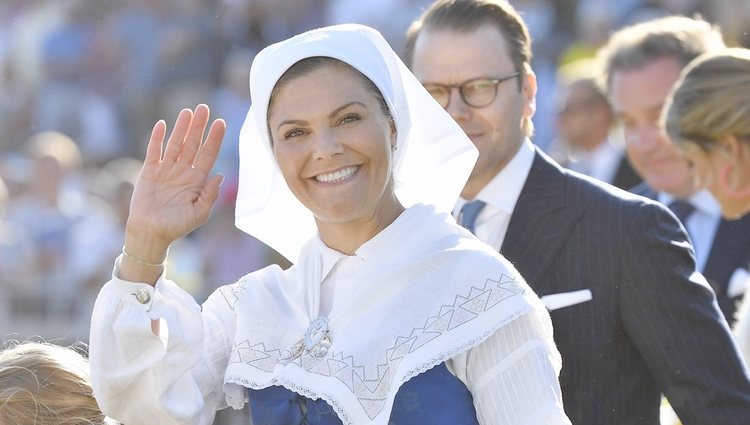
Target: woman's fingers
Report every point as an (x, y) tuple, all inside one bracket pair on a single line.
[(153, 150), (194, 136), (185, 143), (210, 150), (177, 138)]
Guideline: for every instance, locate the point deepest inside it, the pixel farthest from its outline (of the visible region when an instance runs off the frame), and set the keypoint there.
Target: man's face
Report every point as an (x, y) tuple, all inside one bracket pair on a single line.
[(583, 117), (448, 57), (637, 98)]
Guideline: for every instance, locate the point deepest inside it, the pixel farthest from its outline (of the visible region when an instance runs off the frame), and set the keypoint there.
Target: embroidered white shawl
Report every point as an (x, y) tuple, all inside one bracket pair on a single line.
[(423, 291)]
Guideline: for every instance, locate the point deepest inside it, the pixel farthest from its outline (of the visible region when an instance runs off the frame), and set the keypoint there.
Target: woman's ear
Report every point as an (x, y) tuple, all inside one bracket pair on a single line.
[(734, 175), (732, 145)]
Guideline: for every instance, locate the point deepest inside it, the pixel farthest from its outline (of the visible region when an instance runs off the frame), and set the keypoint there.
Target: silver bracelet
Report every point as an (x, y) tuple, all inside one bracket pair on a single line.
[(143, 262)]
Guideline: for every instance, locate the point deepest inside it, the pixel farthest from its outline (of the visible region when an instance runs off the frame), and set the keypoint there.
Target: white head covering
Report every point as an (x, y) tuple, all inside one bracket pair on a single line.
[(434, 156)]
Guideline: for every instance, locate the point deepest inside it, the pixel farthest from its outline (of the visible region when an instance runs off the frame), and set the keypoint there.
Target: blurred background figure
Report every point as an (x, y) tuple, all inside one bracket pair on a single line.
[(15, 258), (231, 101), (50, 204), (589, 142)]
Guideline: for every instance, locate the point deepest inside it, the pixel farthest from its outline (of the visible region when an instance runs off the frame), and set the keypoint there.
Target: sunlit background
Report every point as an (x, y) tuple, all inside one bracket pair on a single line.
[(83, 81)]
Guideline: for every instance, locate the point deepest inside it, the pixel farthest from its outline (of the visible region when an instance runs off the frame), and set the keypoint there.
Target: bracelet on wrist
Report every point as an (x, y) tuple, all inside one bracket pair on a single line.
[(144, 262)]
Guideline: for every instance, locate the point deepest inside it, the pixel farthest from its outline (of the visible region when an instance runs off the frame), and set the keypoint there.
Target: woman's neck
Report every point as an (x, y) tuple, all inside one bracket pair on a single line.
[(347, 237)]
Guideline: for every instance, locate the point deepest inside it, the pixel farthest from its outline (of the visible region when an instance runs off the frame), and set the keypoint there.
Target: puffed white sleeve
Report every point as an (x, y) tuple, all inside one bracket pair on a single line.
[(140, 378), (513, 375)]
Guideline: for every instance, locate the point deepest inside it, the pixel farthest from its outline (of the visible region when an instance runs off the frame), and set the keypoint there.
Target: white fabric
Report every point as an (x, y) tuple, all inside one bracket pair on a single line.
[(741, 328), (467, 302), (501, 195), (566, 299), (702, 223), (739, 282), (434, 156)]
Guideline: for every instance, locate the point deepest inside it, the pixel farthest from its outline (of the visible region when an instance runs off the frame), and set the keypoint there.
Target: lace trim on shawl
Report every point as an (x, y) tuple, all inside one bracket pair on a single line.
[(372, 393)]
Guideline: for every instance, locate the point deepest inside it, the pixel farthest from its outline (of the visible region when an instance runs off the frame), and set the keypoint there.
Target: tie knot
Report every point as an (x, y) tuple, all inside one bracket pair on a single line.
[(682, 209), (469, 213)]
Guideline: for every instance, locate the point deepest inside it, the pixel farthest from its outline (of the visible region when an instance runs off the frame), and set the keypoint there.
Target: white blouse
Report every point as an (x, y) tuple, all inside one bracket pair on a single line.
[(390, 317)]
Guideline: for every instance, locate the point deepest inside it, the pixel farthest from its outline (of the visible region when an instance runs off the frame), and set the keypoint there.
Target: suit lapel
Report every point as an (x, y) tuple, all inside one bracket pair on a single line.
[(541, 221)]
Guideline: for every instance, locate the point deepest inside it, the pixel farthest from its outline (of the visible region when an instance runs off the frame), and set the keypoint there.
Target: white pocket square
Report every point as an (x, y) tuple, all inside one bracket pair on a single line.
[(566, 299), (738, 283)]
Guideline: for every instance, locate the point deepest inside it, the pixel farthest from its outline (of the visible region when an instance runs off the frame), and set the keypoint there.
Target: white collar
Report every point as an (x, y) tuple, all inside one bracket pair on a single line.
[(503, 190)]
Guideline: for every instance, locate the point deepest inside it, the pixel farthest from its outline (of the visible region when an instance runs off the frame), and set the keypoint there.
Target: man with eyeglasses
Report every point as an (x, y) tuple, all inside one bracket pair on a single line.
[(632, 317)]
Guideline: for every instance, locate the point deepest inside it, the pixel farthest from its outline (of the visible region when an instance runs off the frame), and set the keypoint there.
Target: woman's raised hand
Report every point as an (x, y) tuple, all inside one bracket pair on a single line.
[(174, 192)]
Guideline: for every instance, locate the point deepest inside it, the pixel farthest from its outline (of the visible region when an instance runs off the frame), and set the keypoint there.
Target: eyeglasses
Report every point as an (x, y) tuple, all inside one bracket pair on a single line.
[(478, 92)]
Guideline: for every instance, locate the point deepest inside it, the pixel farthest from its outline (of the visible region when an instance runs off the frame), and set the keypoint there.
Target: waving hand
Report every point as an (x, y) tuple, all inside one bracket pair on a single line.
[(174, 192)]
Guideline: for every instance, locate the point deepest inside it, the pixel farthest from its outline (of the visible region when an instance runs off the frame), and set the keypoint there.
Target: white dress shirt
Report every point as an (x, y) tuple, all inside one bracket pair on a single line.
[(501, 195), (702, 223)]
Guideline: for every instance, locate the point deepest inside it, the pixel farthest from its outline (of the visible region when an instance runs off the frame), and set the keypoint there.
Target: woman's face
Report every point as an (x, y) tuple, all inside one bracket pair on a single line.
[(719, 172), (332, 142)]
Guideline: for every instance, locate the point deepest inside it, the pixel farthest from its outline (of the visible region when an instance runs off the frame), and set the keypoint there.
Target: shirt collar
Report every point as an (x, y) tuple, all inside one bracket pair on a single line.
[(702, 200), (379, 244), (503, 190)]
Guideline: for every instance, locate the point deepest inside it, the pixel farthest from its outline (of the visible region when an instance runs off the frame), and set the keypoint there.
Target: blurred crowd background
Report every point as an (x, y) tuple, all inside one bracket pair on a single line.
[(83, 81)]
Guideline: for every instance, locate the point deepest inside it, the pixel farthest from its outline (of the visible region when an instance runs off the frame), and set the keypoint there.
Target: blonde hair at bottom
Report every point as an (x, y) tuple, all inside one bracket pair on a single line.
[(46, 384)]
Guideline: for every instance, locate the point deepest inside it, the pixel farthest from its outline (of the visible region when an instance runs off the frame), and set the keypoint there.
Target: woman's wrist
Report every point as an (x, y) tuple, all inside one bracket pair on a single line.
[(144, 257)]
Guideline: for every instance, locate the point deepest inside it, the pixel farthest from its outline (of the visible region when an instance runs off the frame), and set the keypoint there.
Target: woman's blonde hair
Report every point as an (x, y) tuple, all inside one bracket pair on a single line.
[(711, 99), (46, 384)]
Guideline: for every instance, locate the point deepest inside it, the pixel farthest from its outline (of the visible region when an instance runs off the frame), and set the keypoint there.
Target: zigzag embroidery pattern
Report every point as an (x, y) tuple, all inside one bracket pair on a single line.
[(371, 393)]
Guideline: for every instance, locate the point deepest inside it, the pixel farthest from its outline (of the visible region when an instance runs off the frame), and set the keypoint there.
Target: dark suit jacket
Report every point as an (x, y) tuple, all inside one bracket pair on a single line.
[(653, 324), (730, 251), (625, 177)]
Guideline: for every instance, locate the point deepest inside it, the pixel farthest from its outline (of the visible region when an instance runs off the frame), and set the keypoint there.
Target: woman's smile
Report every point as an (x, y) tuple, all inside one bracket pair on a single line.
[(338, 176)]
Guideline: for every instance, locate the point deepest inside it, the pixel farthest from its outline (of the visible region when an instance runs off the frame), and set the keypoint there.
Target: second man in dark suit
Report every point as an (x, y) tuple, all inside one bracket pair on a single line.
[(632, 317), (642, 62)]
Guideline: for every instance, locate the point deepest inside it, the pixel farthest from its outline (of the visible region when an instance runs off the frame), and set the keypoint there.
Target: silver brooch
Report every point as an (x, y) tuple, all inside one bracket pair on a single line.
[(316, 340)]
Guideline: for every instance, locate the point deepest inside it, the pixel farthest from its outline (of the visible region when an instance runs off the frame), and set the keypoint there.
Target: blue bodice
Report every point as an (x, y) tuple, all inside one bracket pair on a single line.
[(434, 397)]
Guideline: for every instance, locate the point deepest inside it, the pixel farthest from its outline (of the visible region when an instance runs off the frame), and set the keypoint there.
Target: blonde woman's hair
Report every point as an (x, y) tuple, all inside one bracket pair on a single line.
[(46, 384), (711, 99)]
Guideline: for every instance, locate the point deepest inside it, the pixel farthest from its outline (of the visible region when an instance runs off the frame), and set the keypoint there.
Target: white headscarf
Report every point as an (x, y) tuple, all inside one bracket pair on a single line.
[(432, 162)]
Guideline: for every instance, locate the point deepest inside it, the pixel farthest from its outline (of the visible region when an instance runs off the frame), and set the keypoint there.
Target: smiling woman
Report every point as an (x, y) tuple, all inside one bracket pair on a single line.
[(391, 313), (336, 156)]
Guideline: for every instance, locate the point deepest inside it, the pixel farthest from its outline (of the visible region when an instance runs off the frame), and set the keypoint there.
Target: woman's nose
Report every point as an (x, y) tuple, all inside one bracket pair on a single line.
[(327, 145)]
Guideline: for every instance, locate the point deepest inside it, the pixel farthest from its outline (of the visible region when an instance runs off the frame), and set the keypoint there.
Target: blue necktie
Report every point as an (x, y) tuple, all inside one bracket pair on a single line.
[(469, 213), (682, 209)]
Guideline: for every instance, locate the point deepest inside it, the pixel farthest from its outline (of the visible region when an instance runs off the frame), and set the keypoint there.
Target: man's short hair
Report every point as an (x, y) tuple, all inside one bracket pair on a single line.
[(469, 15), (636, 46)]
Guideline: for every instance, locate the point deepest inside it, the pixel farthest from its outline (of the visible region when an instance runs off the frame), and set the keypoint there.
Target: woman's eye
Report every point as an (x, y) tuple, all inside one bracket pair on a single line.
[(293, 133), (348, 118)]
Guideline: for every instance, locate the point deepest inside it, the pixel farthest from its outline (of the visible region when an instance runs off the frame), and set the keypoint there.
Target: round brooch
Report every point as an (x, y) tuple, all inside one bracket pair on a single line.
[(316, 339)]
